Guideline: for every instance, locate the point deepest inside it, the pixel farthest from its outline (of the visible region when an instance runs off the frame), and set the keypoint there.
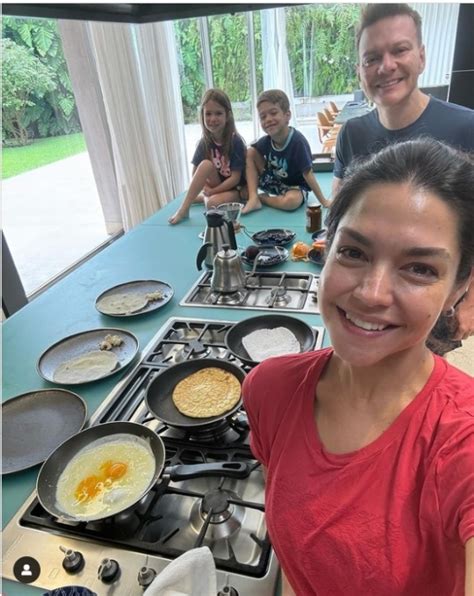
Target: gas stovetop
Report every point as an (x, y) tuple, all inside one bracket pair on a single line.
[(275, 291), (172, 518)]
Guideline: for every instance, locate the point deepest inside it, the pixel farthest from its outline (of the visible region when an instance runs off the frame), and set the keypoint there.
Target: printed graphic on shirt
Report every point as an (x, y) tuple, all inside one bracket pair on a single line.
[(220, 161), (277, 165)]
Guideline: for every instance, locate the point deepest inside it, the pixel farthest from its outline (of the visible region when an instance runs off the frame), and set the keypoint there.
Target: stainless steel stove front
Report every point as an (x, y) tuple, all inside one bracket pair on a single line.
[(24, 537), (289, 292)]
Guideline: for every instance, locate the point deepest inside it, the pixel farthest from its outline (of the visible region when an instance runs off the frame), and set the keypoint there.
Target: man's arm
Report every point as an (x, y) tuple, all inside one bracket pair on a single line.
[(465, 315), (469, 578), (311, 181)]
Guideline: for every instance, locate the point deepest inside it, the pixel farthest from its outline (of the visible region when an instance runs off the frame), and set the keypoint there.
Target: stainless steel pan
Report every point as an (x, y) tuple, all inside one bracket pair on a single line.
[(56, 463)]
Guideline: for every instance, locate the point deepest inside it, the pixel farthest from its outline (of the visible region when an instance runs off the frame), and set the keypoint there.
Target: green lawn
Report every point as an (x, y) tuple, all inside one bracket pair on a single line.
[(41, 152)]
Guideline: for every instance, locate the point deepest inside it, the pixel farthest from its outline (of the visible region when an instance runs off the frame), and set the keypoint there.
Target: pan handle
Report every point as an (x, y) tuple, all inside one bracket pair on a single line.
[(229, 469)]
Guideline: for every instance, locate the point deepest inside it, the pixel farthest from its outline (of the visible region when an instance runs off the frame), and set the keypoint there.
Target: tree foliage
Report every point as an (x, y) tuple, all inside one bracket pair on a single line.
[(321, 49), (320, 44), (53, 112), (25, 81)]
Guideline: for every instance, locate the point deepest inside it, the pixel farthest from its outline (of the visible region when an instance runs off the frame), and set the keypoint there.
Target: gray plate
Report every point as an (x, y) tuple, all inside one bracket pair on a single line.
[(142, 287), (268, 256), (34, 424), (81, 343)]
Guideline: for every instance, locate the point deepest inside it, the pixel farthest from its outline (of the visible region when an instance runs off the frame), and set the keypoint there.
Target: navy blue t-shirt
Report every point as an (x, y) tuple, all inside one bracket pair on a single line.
[(365, 135), (223, 165), (288, 163)]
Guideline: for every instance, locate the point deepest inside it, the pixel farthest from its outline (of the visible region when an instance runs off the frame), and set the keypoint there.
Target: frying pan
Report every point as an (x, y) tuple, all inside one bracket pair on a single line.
[(302, 331), (56, 463), (159, 395)]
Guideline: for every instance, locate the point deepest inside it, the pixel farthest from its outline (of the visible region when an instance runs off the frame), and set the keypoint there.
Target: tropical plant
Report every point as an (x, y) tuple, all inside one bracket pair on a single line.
[(55, 113), (25, 81), (320, 42)]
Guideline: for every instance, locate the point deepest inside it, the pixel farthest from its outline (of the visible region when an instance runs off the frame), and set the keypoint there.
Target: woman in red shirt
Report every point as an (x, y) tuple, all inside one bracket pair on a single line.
[(369, 445)]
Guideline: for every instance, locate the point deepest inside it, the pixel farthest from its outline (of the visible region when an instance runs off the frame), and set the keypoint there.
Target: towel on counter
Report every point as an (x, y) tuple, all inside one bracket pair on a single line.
[(191, 574)]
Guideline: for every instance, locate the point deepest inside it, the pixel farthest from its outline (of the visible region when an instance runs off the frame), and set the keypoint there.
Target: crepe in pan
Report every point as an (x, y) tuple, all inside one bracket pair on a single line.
[(208, 392)]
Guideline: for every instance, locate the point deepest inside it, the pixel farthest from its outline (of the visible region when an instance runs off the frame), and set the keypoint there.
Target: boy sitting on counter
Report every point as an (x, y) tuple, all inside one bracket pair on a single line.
[(279, 163)]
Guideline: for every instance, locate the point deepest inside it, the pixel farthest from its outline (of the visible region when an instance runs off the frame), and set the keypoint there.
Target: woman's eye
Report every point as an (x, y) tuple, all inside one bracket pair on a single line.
[(422, 270), (349, 253)]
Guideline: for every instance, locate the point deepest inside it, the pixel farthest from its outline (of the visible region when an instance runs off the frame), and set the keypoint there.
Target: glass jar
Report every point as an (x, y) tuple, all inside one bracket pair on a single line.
[(313, 218)]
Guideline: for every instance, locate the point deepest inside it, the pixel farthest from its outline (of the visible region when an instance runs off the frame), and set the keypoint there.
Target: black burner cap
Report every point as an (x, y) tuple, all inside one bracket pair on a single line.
[(215, 500)]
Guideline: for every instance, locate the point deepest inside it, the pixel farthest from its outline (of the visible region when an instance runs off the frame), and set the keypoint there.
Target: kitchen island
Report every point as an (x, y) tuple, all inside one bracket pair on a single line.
[(152, 250)]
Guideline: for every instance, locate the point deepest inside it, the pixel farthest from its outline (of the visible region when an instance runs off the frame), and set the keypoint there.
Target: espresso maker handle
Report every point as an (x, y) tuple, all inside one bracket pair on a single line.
[(232, 240), (202, 254)]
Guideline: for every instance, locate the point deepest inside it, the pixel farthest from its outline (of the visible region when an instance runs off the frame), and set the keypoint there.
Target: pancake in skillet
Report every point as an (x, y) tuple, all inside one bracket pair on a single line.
[(208, 392)]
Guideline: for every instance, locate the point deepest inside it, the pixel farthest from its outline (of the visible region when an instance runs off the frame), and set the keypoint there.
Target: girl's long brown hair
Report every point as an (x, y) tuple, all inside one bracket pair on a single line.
[(229, 130)]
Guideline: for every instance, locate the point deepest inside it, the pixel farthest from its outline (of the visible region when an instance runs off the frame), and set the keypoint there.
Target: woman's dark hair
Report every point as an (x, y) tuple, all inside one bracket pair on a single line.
[(223, 100), (425, 164)]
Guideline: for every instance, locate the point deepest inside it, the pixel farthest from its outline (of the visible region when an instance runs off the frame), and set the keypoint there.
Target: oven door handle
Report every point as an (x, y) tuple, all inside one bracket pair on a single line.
[(228, 469)]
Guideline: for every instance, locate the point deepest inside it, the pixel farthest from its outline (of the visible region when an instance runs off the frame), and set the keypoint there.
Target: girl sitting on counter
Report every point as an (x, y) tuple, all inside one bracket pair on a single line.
[(368, 446), (219, 159)]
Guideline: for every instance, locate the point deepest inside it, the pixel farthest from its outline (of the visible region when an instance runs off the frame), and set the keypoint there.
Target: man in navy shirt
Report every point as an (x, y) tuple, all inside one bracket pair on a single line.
[(391, 58)]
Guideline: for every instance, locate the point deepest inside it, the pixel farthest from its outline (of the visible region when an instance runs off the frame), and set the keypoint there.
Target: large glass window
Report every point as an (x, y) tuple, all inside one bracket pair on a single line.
[(51, 210)]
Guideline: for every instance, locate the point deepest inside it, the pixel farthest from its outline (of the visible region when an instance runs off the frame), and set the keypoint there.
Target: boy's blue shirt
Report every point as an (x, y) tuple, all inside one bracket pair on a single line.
[(287, 163)]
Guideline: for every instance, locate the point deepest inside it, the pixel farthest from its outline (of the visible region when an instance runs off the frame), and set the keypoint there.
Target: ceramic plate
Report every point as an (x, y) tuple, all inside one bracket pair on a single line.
[(34, 424), (319, 235), (316, 256), (268, 256), (275, 237), (82, 343), (138, 287)]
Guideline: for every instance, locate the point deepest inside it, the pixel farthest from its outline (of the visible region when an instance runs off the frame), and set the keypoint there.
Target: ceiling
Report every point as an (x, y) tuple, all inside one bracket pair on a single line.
[(128, 13)]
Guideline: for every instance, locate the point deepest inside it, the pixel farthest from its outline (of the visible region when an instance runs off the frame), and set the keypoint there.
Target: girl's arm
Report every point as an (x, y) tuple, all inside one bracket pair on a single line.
[(228, 184), (314, 186), (469, 579)]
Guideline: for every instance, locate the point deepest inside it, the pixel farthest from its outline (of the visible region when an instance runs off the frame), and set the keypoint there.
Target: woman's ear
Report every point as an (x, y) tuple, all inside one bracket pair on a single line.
[(458, 293)]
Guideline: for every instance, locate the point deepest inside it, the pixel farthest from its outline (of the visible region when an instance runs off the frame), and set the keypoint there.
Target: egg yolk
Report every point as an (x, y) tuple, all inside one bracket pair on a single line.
[(89, 487)]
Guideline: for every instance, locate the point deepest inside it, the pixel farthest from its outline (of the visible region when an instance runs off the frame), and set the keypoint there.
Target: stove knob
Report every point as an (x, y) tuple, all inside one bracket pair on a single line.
[(145, 576), (228, 591), (73, 561), (109, 571)]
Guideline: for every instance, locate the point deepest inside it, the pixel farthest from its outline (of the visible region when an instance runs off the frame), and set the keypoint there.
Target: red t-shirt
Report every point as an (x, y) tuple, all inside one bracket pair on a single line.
[(389, 519)]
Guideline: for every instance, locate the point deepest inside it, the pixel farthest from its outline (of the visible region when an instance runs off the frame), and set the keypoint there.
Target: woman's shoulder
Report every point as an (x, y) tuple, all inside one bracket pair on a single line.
[(455, 387), (450, 413)]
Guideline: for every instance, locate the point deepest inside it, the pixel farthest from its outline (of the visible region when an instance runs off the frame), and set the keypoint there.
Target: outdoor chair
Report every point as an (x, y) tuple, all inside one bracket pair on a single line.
[(333, 108), (329, 115), (323, 124)]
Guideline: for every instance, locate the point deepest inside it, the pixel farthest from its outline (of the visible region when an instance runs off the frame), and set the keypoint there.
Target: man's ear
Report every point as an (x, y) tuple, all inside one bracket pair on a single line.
[(357, 68), (422, 59)]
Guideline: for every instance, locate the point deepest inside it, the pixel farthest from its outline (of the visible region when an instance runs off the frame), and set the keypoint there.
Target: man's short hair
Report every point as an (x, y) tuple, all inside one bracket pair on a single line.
[(275, 96), (372, 13)]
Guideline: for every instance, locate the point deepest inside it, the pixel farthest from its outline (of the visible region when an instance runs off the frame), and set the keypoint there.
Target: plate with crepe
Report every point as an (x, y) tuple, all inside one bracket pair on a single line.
[(88, 356), (134, 298)]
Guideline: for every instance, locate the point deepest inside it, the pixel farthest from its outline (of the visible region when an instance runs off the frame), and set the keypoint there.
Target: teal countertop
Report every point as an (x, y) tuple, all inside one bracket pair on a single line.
[(152, 250)]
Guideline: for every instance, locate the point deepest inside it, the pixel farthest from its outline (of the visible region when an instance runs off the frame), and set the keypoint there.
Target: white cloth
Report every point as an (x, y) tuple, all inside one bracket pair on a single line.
[(191, 574)]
